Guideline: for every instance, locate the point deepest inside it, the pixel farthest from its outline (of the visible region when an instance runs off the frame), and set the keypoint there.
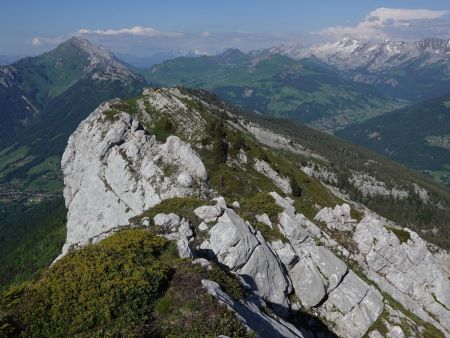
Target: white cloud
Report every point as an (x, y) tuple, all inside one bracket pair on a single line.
[(383, 23), (135, 31), (145, 41), (41, 41), (36, 42)]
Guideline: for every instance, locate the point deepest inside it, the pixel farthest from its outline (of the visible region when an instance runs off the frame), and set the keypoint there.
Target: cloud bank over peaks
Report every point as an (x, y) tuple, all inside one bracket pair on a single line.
[(394, 23), (136, 31), (141, 40)]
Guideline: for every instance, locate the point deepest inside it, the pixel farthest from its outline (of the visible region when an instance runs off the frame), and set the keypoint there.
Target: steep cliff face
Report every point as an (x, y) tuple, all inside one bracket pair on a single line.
[(114, 170), (317, 264)]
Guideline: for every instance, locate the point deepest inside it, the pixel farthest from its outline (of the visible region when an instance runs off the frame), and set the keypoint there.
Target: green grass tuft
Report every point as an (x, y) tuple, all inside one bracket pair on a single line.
[(403, 235), (259, 204)]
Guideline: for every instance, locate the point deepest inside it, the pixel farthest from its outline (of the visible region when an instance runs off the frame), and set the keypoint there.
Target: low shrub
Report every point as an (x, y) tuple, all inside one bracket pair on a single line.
[(259, 204), (131, 284), (103, 289), (187, 310), (227, 282)]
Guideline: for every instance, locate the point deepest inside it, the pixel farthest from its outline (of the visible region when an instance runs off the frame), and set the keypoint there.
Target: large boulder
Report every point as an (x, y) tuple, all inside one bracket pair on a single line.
[(353, 306), (264, 273), (234, 243), (231, 240), (338, 218), (308, 283), (208, 213)]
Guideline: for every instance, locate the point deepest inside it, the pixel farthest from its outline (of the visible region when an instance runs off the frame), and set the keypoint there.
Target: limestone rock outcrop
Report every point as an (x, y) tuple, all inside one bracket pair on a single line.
[(322, 280), (264, 168), (319, 279), (237, 245), (338, 218), (406, 270), (114, 170), (176, 229)]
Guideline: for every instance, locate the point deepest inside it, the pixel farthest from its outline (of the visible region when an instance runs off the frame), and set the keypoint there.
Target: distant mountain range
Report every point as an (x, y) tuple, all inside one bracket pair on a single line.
[(42, 100), (350, 53), (274, 84), (142, 62), (409, 70)]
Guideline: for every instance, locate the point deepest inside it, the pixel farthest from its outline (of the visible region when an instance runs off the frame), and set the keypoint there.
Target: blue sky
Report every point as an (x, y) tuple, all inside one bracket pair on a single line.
[(146, 27)]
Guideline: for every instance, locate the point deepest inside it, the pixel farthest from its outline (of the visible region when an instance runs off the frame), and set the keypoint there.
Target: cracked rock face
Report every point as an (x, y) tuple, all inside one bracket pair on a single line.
[(114, 170), (353, 306), (407, 271), (322, 280), (265, 169), (237, 245)]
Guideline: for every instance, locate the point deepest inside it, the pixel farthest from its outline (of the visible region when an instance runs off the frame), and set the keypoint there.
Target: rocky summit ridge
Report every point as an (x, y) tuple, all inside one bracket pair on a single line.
[(300, 248), (101, 60)]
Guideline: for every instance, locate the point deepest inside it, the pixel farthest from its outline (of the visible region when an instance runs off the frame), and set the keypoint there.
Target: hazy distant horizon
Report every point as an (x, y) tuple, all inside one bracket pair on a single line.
[(151, 27)]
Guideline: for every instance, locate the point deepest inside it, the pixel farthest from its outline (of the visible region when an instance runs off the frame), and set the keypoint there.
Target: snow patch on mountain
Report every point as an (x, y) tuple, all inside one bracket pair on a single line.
[(352, 54)]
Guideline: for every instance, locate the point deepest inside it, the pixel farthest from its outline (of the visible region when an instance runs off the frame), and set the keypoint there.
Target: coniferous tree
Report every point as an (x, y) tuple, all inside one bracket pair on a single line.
[(296, 188)]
